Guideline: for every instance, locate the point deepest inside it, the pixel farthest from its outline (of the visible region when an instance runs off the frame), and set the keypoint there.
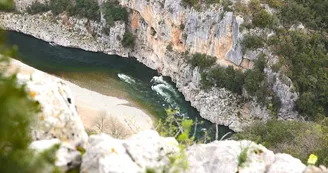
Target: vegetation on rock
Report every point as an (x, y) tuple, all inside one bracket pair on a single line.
[(300, 139), (128, 39), (114, 12), (82, 8)]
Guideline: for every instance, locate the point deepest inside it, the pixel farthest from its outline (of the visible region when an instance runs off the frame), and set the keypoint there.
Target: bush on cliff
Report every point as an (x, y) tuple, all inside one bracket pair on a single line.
[(81, 8), (252, 42), (262, 19), (58, 6), (202, 61), (228, 78), (37, 7), (85, 8), (114, 12), (300, 139), (128, 39)]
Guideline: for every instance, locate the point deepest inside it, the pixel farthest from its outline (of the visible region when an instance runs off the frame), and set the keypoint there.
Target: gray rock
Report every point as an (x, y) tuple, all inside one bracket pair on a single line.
[(284, 163), (58, 117), (223, 157), (145, 150), (67, 155)]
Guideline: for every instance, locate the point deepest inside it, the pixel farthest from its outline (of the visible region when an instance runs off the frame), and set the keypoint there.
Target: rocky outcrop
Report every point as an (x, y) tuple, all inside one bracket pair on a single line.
[(58, 118), (142, 152)]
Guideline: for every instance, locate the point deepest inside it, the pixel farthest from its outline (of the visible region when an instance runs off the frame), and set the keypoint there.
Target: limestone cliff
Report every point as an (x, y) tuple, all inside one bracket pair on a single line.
[(157, 24), (58, 123)]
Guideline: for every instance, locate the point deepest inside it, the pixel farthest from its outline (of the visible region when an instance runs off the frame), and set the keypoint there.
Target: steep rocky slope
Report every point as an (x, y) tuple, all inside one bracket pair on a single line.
[(157, 24), (204, 32), (144, 152)]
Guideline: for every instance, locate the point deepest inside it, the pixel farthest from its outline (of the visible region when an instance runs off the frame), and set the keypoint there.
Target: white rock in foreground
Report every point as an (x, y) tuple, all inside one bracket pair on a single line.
[(145, 150), (67, 155), (58, 117)]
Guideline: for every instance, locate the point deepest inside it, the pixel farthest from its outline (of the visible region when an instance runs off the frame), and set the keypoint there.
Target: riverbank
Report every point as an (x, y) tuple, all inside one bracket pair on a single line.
[(96, 109), (216, 105)]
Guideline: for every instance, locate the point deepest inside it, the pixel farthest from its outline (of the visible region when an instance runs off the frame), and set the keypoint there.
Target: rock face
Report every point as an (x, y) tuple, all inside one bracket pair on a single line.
[(58, 118), (146, 150), (239, 156), (58, 121), (157, 24)]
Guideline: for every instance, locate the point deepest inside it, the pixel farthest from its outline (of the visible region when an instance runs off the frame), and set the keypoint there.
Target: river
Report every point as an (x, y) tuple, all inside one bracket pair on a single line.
[(110, 75)]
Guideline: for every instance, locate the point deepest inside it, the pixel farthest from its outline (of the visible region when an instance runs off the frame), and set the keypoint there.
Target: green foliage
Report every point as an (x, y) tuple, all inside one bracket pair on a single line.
[(228, 78), (262, 19), (182, 26), (202, 61), (85, 8), (306, 58), (253, 81), (37, 7), (242, 157), (114, 12), (299, 139), (179, 127), (81, 8), (252, 42), (169, 47), (58, 6), (274, 3), (7, 5), (312, 13), (128, 39)]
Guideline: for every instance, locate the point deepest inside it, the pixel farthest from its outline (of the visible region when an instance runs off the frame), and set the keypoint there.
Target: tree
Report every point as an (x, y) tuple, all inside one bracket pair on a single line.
[(202, 60), (262, 19), (111, 125), (114, 12)]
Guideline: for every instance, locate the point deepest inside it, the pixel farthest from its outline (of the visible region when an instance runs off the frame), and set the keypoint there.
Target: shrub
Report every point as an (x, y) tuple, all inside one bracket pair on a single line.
[(86, 8), (182, 26), (169, 47), (305, 59), (202, 61), (7, 5), (128, 39), (299, 139), (252, 42), (114, 12), (58, 6), (228, 78), (253, 81), (37, 7), (262, 19), (274, 3)]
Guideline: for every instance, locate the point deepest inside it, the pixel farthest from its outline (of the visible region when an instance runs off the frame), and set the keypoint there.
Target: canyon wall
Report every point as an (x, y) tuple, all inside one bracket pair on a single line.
[(59, 123), (157, 24)]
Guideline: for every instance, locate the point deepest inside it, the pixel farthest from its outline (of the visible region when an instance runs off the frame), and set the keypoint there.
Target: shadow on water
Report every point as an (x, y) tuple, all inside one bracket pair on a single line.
[(109, 75)]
